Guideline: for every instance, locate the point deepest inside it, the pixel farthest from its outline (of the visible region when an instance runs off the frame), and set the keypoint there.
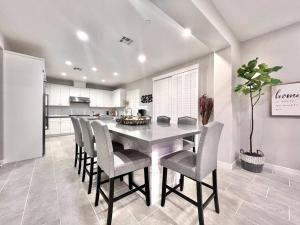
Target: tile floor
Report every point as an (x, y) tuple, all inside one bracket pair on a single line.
[(48, 191)]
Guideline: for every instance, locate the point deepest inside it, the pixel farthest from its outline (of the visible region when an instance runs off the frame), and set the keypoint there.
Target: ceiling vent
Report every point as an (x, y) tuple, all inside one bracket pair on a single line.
[(126, 40), (77, 68)]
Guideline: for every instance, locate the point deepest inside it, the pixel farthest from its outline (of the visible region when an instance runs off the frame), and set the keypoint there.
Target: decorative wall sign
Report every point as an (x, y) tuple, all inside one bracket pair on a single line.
[(146, 98), (286, 99)]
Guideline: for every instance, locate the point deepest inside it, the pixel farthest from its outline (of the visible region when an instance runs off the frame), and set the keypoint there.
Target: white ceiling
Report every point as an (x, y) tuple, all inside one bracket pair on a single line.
[(249, 19), (47, 28)]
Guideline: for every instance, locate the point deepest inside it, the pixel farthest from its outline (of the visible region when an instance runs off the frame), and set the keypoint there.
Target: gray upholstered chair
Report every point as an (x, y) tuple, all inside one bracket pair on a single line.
[(90, 151), (196, 166), (163, 119), (78, 142), (116, 164), (188, 142)]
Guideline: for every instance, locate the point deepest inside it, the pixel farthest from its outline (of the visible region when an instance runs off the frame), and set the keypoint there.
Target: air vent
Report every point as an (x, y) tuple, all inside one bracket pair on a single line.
[(77, 68), (126, 40)]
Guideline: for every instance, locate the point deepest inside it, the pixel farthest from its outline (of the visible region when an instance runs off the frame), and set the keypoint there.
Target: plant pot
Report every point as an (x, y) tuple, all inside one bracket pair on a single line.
[(253, 162)]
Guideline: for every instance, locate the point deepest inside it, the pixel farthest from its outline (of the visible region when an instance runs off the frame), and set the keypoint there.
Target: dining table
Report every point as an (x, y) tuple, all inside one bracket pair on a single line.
[(155, 140)]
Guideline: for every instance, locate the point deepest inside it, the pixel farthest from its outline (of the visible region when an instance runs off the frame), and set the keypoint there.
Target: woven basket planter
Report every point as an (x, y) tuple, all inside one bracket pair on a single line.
[(252, 162)]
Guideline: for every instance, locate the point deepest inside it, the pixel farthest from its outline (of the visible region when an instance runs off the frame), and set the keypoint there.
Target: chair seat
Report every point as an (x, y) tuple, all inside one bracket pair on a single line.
[(187, 144), (130, 160), (183, 162)]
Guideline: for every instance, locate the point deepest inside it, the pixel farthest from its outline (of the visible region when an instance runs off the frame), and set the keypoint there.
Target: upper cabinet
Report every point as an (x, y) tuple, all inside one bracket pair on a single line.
[(118, 98), (59, 96)]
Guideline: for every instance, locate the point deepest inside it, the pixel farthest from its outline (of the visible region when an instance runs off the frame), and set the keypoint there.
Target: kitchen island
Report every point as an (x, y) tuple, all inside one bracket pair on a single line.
[(155, 140)]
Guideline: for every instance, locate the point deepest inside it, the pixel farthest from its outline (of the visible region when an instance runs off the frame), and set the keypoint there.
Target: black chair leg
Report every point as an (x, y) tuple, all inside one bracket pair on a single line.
[(76, 154), (130, 179), (199, 201), (215, 187), (164, 187), (91, 175), (110, 201), (84, 167), (146, 175), (80, 159), (194, 149), (181, 181), (121, 178), (98, 186)]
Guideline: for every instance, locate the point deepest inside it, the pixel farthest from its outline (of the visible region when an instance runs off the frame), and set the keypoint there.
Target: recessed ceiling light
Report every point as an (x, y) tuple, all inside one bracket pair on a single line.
[(116, 74), (84, 77), (64, 74), (142, 58), (94, 69), (103, 81), (69, 63), (186, 32), (82, 35)]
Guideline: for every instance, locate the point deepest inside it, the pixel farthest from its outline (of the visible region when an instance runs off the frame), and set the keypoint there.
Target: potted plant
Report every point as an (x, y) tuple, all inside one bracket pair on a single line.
[(256, 77)]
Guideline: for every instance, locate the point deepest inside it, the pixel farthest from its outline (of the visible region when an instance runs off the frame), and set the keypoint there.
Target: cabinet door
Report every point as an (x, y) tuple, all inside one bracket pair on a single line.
[(99, 95), (93, 98), (107, 99), (64, 95), (54, 126), (74, 92), (85, 92), (116, 98), (54, 94), (65, 124)]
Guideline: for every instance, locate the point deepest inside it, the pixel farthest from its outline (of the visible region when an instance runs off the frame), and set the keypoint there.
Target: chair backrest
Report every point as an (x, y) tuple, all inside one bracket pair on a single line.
[(207, 154), (186, 120), (77, 131), (87, 136), (163, 119), (105, 155)]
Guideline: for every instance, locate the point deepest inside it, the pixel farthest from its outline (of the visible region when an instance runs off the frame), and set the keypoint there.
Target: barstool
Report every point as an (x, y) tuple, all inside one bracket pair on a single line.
[(116, 164), (196, 166), (163, 119), (188, 142), (90, 152), (78, 142)]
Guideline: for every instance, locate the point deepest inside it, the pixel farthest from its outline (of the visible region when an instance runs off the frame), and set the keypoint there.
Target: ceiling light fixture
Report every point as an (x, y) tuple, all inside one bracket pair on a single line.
[(64, 74), (84, 77), (82, 35), (142, 58), (94, 69), (103, 81), (69, 63), (116, 74), (186, 32)]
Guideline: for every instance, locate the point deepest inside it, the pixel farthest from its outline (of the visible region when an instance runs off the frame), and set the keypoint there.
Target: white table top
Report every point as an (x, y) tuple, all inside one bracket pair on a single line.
[(154, 132)]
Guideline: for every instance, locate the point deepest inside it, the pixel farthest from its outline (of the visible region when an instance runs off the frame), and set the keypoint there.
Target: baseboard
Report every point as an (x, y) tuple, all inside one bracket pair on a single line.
[(283, 169), (227, 165)]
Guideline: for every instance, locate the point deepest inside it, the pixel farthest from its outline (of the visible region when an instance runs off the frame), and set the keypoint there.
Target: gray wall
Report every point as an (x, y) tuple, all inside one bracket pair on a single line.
[(1, 105), (146, 86), (278, 137)]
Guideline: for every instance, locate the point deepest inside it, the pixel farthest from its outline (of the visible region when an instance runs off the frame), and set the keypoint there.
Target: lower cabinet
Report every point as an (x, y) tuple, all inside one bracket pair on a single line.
[(60, 126)]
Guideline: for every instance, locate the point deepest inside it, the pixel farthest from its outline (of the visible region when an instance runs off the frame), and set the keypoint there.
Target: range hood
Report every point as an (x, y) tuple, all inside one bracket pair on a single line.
[(74, 99)]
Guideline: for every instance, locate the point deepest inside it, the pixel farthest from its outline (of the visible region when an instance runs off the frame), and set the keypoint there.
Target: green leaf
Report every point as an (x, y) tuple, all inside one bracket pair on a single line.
[(275, 81), (252, 64), (238, 88), (276, 68)]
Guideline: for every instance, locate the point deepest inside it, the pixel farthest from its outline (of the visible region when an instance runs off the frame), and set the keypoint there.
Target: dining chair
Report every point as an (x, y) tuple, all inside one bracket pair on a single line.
[(116, 164), (188, 142), (163, 119), (78, 142), (90, 151), (196, 166)]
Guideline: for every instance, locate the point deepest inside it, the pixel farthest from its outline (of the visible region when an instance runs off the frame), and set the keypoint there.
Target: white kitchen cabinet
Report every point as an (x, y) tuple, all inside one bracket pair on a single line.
[(75, 92), (64, 95), (65, 125), (85, 92), (54, 126), (118, 98), (93, 98), (106, 99), (54, 94)]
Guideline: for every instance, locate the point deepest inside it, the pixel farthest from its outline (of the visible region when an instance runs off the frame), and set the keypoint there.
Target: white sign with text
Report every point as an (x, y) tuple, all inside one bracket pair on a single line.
[(286, 100)]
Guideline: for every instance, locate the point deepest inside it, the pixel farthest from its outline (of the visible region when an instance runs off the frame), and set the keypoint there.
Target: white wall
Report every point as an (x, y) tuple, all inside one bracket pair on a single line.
[(278, 137), (1, 96), (205, 79)]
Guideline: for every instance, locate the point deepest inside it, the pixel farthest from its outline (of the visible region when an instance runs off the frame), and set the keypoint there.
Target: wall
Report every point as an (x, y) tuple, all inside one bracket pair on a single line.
[(2, 45), (205, 81), (278, 137)]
